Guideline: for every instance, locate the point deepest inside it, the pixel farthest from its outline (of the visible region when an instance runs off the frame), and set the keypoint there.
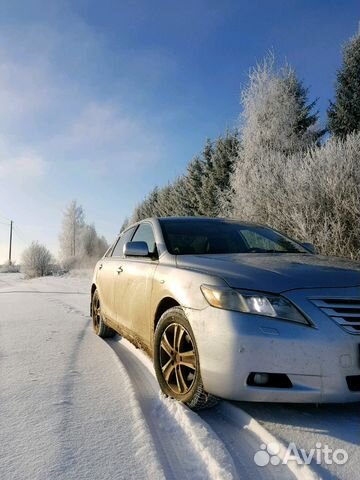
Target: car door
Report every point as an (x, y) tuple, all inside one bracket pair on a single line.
[(134, 285), (107, 275)]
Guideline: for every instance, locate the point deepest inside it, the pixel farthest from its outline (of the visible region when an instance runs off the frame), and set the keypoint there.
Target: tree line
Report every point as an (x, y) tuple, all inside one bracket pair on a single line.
[(279, 166)]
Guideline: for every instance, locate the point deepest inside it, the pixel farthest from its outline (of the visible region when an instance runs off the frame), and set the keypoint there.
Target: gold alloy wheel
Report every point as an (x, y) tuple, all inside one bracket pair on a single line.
[(177, 358)]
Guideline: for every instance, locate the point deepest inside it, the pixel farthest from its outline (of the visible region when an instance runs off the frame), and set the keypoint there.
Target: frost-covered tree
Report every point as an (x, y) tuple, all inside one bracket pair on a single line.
[(306, 119), (36, 260), (80, 245), (71, 231), (217, 171), (164, 205), (317, 198), (124, 224), (197, 192), (91, 245), (344, 113), (194, 182), (147, 207), (276, 114), (208, 175), (276, 122), (182, 201), (311, 195)]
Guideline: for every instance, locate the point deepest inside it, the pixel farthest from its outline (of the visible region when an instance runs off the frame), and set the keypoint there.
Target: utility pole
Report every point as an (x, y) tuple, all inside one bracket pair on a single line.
[(74, 237), (10, 245)]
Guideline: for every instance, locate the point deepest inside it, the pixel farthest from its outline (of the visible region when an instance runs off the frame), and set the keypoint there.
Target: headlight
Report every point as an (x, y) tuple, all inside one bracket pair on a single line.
[(252, 302)]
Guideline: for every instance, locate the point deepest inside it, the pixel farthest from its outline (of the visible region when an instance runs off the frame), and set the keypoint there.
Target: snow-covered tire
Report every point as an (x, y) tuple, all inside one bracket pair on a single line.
[(176, 361), (100, 328)]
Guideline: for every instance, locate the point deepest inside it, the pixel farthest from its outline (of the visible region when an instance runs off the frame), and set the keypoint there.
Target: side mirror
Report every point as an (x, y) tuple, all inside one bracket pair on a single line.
[(310, 247), (136, 249)]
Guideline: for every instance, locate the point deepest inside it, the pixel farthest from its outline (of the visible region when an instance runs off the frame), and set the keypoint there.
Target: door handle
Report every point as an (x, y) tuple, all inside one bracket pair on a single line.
[(100, 266), (119, 270)]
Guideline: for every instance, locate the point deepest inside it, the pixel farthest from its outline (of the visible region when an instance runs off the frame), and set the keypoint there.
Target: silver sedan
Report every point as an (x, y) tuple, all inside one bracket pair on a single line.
[(232, 310)]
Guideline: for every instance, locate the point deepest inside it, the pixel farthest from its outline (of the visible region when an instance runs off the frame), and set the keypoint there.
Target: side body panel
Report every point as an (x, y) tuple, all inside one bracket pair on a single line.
[(133, 296), (105, 276)]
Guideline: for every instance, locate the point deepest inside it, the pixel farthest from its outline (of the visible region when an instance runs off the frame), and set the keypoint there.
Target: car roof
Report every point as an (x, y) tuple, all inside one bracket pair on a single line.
[(192, 219), (205, 219)]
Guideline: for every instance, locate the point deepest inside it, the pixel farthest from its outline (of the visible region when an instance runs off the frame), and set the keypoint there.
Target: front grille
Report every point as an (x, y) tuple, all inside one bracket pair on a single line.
[(345, 312)]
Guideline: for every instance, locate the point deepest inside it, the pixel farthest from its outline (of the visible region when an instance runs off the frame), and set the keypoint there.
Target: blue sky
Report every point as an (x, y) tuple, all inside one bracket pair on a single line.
[(100, 101)]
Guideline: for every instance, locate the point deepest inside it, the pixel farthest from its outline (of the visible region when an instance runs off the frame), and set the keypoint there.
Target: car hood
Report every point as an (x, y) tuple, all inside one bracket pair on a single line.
[(276, 272)]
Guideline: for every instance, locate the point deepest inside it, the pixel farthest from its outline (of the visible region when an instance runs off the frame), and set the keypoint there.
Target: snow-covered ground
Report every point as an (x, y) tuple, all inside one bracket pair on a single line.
[(73, 406)]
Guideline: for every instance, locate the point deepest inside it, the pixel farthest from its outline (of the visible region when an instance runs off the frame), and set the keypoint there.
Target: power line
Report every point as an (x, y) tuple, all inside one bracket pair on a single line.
[(20, 237)]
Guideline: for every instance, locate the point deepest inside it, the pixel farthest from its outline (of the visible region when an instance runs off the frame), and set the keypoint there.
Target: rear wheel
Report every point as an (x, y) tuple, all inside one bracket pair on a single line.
[(99, 326), (176, 361)]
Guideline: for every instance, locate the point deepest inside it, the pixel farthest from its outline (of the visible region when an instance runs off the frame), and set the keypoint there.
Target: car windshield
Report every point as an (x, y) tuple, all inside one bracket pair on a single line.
[(204, 237)]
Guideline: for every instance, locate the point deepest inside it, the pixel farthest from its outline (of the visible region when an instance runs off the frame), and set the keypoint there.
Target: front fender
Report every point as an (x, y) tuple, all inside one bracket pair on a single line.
[(182, 285)]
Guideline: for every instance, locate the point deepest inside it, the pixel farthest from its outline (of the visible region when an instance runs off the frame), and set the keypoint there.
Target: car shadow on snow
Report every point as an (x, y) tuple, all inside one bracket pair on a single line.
[(341, 421)]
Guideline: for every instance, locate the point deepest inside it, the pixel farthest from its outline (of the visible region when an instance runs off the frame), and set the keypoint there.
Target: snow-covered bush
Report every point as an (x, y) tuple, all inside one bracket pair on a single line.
[(36, 260), (313, 196)]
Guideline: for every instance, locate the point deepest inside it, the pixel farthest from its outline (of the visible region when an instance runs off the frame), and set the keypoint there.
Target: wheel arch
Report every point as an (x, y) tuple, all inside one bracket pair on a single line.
[(165, 304)]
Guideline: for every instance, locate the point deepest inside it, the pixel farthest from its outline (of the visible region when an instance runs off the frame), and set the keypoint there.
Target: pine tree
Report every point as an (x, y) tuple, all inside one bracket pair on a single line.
[(217, 173), (147, 207), (276, 113), (344, 113), (277, 122), (200, 191), (306, 119), (182, 204), (208, 175), (194, 183), (124, 224)]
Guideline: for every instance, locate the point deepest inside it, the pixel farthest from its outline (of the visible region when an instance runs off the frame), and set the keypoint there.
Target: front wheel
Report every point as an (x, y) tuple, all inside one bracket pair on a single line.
[(176, 361)]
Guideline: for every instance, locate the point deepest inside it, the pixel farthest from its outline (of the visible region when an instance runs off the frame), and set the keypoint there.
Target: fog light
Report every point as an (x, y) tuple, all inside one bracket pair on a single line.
[(261, 378), (268, 380)]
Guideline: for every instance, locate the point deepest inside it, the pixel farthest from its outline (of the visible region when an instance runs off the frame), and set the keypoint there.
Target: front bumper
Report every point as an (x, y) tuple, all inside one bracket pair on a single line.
[(317, 360)]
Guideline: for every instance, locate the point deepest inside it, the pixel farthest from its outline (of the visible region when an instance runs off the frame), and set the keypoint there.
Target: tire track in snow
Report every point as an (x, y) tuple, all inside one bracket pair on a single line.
[(242, 444), (175, 430), (143, 453)]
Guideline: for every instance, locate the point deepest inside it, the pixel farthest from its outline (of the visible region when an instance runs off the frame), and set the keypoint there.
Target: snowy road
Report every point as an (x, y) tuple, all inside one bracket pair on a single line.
[(73, 406)]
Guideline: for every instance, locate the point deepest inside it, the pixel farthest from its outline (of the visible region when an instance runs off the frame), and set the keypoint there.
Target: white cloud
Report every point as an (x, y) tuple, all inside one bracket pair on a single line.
[(22, 167), (108, 136), (48, 106)]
